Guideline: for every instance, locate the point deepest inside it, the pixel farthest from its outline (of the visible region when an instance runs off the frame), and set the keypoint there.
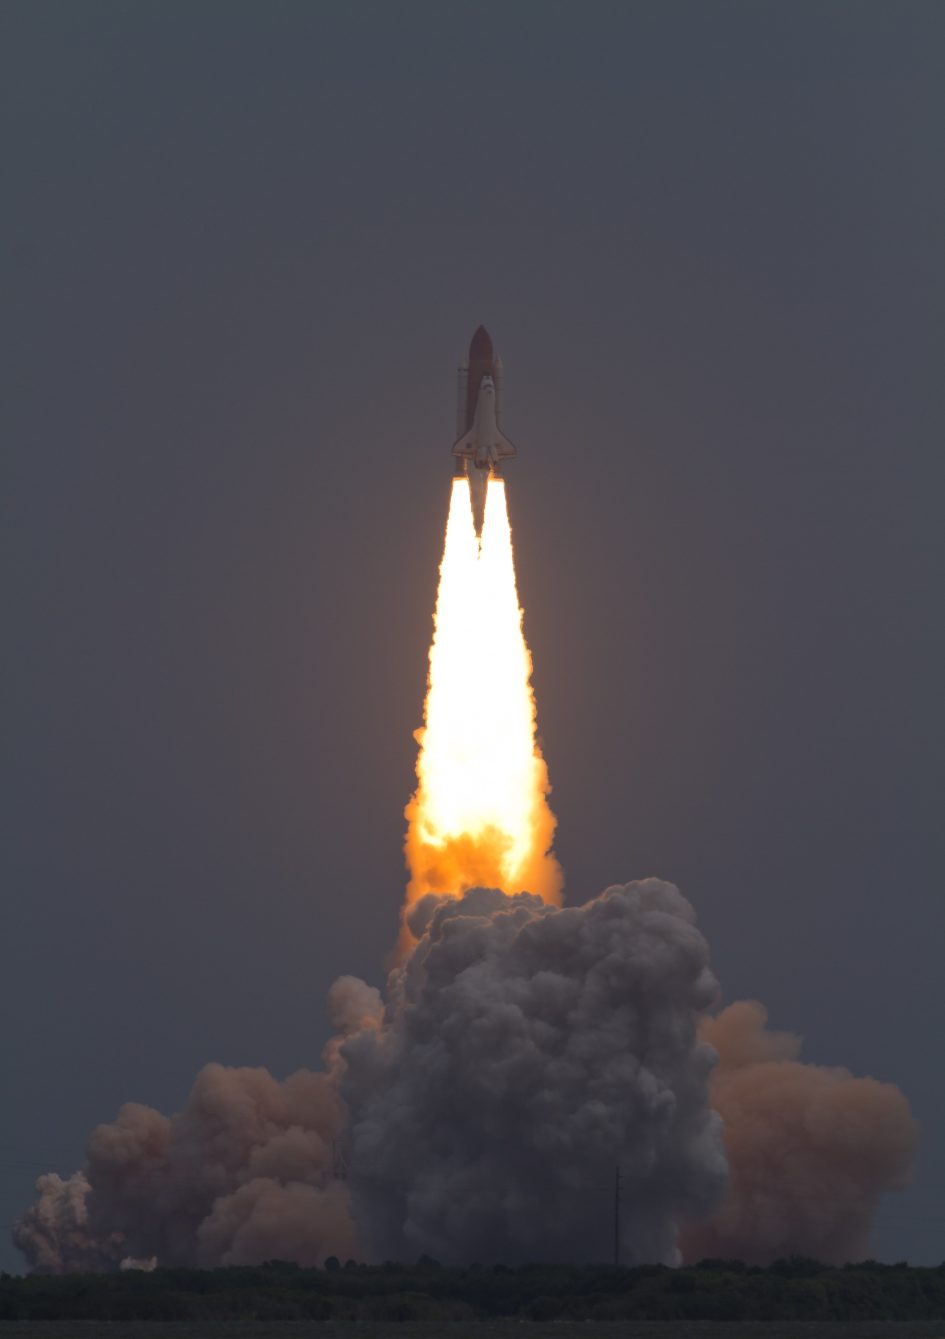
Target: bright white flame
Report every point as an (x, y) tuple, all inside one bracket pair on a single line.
[(480, 814)]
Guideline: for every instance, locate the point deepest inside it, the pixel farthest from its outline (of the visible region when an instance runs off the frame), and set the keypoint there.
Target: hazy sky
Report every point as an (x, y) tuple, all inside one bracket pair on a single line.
[(243, 248)]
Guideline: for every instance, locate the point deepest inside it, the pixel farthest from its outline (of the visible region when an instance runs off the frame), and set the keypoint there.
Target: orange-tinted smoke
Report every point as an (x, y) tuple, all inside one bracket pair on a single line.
[(810, 1149), (480, 814)]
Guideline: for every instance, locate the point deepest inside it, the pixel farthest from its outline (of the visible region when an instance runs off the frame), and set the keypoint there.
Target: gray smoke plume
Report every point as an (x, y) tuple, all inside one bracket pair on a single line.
[(810, 1149), (525, 1051)]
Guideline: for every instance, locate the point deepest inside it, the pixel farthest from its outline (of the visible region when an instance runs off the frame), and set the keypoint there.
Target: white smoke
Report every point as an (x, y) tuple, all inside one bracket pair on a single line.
[(143, 1266)]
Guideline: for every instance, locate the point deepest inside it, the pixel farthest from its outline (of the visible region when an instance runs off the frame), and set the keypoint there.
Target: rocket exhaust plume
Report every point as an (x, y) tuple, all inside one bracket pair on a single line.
[(480, 815), (522, 1048)]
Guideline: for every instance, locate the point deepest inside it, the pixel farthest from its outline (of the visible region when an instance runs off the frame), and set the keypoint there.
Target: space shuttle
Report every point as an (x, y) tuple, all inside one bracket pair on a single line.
[(480, 440)]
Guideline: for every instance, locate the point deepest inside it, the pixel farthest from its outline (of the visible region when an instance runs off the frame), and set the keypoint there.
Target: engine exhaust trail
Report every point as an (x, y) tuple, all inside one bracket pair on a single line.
[(479, 816)]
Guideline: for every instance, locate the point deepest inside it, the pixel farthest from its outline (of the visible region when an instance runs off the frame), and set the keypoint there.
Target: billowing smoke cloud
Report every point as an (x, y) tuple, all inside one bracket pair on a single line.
[(810, 1149), (525, 1051), (54, 1233), (244, 1173)]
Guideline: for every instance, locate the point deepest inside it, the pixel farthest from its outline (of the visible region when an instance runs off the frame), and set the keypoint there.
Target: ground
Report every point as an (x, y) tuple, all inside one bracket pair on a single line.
[(504, 1329)]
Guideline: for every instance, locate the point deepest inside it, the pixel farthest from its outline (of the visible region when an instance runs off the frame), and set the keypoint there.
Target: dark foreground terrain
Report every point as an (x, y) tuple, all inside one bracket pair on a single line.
[(791, 1297), (503, 1329)]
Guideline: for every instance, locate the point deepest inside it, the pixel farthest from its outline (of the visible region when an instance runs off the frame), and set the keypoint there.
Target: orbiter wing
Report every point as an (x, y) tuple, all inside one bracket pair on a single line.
[(498, 448)]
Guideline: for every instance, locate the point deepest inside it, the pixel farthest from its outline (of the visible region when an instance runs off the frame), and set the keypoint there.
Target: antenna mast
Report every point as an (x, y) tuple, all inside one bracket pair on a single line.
[(617, 1216)]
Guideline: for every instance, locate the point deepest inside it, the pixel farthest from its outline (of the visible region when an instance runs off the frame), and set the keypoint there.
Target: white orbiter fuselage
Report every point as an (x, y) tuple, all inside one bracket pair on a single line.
[(480, 441)]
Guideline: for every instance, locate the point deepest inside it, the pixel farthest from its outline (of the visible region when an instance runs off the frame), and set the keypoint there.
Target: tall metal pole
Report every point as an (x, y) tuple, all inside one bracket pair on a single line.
[(617, 1216)]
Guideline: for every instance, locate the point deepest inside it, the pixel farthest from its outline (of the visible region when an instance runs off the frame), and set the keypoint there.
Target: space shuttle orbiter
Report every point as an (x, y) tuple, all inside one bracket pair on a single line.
[(480, 440)]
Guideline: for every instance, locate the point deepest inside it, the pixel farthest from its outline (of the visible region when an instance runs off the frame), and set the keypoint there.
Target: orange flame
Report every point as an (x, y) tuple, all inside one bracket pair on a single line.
[(480, 815)]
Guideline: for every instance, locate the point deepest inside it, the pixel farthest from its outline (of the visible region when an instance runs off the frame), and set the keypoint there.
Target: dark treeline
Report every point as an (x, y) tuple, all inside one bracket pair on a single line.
[(795, 1289)]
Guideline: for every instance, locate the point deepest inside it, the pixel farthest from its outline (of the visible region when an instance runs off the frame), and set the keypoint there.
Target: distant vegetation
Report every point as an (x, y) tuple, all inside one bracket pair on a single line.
[(795, 1289)]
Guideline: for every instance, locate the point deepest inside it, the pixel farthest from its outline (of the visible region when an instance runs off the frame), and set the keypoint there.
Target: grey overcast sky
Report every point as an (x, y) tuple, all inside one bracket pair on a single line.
[(243, 248)]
